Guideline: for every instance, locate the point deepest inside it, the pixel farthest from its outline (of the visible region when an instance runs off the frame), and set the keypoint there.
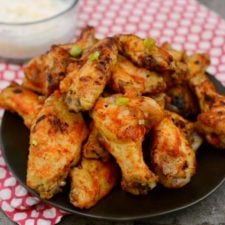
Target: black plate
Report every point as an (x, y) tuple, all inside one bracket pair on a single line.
[(120, 205)]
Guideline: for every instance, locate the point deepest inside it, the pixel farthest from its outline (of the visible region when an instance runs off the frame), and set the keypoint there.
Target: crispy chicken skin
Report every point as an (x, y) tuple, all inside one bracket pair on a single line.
[(132, 80), (160, 98), (85, 41), (182, 101), (90, 80), (197, 63), (178, 56), (43, 73), (178, 65), (55, 145), (172, 157), (211, 120), (122, 123), (133, 47), (93, 149), (26, 103), (187, 128), (92, 180)]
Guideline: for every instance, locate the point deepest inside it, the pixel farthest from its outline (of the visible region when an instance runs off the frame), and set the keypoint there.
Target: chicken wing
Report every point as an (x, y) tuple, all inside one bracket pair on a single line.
[(122, 123), (89, 81), (55, 145), (91, 181), (43, 73), (172, 157), (26, 103), (144, 53), (132, 80), (211, 120)]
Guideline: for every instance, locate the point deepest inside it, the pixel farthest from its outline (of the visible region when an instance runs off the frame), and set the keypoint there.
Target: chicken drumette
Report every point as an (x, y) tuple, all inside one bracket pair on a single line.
[(92, 180), (122, 123), (172, 157)]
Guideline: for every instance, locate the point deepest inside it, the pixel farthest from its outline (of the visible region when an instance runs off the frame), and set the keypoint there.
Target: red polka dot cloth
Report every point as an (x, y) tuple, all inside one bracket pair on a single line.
[(184, 23)]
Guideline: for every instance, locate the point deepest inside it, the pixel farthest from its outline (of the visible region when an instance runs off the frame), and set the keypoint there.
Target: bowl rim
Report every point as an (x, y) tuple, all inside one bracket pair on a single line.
[(71, 6)]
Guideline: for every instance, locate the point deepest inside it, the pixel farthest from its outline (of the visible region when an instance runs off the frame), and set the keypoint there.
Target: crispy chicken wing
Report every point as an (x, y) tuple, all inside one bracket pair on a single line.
[(89, 81), (132, 80), (211, 120), (93, 149), (43, 73), (55, 145), (144, 54), (172, 157), (91, 181), (26, 103), (122, 123)]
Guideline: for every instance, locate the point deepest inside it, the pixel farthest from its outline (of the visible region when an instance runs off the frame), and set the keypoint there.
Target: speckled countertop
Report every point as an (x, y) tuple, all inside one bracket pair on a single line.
[(210, 211)]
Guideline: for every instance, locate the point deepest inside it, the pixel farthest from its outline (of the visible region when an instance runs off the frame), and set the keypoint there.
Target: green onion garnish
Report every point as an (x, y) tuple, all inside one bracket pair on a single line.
[(121, 101), (141, 122), (94, 56), (34, 142), (76, 51), (149, 43)]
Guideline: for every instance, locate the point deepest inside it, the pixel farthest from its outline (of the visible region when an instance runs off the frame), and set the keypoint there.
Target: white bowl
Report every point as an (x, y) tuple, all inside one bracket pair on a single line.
[(22, 41)]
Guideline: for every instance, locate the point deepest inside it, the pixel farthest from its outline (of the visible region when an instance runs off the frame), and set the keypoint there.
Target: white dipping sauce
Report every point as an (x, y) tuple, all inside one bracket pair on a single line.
[(21, 41)]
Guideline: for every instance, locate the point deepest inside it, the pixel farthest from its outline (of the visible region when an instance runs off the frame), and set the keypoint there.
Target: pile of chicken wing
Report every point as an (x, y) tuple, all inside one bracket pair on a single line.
[(90, 105)]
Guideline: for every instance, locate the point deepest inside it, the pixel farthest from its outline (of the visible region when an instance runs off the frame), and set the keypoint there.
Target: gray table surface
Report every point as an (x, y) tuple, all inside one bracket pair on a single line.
[(210, 211)]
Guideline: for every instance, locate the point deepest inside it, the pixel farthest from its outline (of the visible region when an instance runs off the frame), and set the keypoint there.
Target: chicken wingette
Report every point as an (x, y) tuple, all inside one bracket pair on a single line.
[(55, 145), (43, 73), (144, 52), (26, 103), (92, 180), (132, 80), (88, 82), (122, 123), (172, 157)]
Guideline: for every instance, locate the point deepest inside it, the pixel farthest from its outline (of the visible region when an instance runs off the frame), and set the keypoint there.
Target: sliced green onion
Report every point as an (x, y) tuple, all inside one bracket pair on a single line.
[(121, 101), (34, 142), (141, 122), (76, 51), (94, 56), (149, 43)]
